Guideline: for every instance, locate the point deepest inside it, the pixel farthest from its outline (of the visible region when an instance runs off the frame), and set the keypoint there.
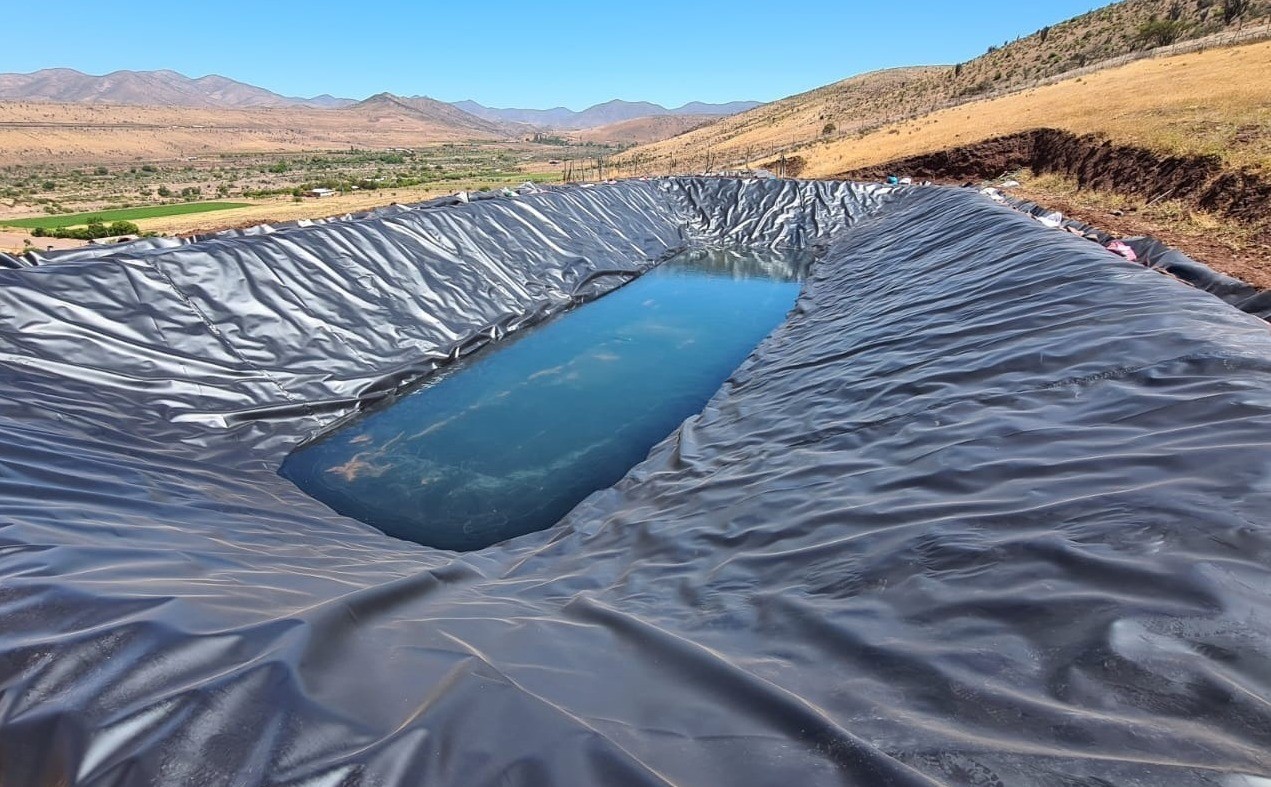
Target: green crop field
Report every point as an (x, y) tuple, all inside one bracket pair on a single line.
[(124, 214)]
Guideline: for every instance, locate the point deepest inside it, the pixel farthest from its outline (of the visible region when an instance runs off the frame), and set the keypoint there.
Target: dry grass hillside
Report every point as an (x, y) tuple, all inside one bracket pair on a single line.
[(860, 105), (641, 131), (34, 132), (1214, 102), (857, 103), (1109, 32), (1201, 181)]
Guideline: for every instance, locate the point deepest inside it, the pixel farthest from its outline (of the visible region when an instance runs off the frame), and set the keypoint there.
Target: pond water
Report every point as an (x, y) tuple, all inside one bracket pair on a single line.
[(507, 441)]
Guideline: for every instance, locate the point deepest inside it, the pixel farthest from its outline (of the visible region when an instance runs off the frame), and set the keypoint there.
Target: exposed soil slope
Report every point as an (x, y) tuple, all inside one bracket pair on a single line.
[(1076, 172), (1095, 163), (1229, 253)]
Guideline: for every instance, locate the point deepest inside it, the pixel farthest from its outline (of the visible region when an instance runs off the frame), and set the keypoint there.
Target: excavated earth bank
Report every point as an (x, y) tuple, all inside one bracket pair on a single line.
[(1096, 163)]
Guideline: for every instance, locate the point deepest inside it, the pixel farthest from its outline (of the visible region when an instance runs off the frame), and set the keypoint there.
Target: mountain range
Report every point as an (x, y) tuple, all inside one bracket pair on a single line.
[(155, 88), (601, 114), (171, 89)]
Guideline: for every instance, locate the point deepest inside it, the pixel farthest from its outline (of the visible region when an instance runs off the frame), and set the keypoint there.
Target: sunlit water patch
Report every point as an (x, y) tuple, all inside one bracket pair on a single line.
[(509, 440)]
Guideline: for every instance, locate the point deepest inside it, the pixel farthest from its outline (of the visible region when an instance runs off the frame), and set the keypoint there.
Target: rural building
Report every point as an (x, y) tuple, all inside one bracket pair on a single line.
[(320, 193)]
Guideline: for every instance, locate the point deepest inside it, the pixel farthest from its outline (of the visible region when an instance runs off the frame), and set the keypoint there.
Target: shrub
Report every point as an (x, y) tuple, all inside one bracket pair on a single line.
[(1231, 9), (93, 230), (1160, 32)]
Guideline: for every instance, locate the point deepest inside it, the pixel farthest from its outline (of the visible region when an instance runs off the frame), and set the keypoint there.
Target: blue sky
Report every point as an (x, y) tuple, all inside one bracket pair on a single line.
[(526, 54)]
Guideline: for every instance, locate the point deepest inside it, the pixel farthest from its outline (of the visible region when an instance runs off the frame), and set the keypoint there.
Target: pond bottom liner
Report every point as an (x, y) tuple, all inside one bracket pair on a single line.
[(990, 507)]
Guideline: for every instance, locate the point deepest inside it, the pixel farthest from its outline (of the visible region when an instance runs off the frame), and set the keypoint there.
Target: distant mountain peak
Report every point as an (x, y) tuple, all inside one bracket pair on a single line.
[(163, 87), (422, 107), (613, 111)]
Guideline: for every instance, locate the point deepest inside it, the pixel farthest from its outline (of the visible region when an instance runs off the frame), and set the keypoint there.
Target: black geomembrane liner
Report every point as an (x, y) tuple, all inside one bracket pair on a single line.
[(989, 508)]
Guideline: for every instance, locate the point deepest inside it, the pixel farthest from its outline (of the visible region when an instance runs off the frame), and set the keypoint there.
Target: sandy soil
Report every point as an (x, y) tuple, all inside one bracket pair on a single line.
[(11, 242)]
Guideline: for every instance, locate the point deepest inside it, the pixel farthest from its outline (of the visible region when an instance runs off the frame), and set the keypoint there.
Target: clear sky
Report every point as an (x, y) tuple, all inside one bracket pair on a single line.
[(530, 53)]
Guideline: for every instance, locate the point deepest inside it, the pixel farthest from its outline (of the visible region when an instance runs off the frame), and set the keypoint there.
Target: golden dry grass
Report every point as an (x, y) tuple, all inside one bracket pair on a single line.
[(1215, 102), (855, 102), (1218, 101)]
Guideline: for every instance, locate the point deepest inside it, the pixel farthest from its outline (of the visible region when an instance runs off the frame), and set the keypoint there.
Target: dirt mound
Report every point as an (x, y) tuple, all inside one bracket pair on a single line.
[(786, 166), (1095, 163)]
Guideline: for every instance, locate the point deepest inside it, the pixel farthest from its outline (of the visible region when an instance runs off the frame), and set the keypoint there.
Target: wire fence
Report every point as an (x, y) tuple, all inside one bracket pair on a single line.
[(1248, 35)]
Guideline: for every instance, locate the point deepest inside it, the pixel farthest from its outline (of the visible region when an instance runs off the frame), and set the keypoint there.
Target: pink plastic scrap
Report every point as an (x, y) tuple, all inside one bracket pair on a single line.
[(1118, 247)]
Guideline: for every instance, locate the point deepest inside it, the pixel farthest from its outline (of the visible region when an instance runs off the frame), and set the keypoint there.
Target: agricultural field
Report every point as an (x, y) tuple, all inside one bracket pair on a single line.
[(123, 214), (235, 189)]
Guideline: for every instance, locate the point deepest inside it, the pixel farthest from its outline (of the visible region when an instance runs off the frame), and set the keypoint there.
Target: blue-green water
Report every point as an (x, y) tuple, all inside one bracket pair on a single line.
[(509, 440)]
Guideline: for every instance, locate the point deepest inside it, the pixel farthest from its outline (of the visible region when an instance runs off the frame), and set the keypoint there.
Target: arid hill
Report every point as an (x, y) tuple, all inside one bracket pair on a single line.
[(862, 104), (386, 107), (641, 131), (33, 132), (153, 88)]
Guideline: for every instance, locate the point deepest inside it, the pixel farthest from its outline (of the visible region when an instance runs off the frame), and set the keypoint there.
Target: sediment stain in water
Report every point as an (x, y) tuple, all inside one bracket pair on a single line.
[(508, 441)]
